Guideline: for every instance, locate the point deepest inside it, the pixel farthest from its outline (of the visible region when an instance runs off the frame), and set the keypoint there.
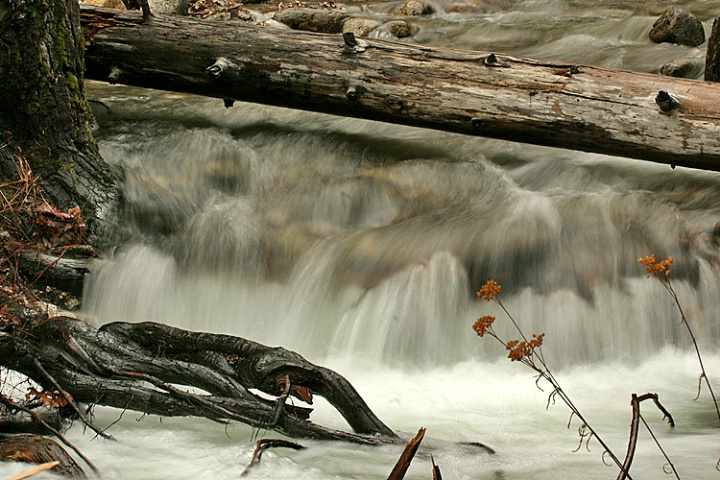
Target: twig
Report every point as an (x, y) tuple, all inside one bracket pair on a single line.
[(187, 396), (9, 403), (435, 469), (280, 401), (33, 471), (263, 445), (71, 401), (632, 442)]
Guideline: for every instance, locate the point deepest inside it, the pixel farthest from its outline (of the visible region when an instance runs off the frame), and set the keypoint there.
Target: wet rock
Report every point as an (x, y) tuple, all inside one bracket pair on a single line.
[(274, 24), (360, 27), (169, 7), (105, 3), (678, 26), (311, 20), (468, 7), (399, 29), (683, 68), (413, 8)]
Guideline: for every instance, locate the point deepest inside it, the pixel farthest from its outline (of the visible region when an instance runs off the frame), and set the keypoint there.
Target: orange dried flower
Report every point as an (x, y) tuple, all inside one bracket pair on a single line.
[(652, 267), (519, 350), (489, 290), (482, 324)]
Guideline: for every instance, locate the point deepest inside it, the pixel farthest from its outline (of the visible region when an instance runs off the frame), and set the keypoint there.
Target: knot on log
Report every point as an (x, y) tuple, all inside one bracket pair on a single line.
[(492, 61), (666, 101), (352, 44), (394, 104), (217, 69), (354, 93), (114, 76)]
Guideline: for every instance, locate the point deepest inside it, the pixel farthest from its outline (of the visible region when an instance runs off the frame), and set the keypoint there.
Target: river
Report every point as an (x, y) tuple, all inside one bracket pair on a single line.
[(360, 245)]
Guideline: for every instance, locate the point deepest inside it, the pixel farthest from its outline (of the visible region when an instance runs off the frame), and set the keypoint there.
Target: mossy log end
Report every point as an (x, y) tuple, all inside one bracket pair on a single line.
[(147, 367), (577, 107)]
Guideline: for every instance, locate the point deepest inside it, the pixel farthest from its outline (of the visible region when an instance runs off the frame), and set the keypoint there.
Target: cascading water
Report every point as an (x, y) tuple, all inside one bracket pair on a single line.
[(360, 245), (334, 244)]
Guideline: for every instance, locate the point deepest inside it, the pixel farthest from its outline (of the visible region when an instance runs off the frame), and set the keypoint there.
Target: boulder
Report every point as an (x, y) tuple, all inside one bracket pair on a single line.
[(360, 27), (106, 3), (677, 26), (468, 7), (169, 7), (683, 68), (413, 8), (399, 28), (312, 20)]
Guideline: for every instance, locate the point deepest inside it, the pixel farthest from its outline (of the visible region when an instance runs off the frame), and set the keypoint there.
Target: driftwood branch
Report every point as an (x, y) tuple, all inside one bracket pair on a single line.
[(263, 445), (662, 119), (36, 470), (634, 424), (403, 463), (15, 406), (158, 369)]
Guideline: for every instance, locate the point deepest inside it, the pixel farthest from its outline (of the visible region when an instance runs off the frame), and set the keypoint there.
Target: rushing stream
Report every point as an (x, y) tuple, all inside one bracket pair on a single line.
[(360, 245)]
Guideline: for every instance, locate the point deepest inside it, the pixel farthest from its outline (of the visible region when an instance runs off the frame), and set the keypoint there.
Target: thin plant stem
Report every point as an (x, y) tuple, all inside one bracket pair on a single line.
[(547, 374), (668, 286)]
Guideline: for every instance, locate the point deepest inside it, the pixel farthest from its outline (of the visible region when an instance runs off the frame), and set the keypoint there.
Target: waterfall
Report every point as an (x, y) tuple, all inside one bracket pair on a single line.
[(373, 244)]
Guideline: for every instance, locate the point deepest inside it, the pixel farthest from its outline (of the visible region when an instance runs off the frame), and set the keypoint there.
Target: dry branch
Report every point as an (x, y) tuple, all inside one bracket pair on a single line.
[(403, 463), (634, 424), (263, 445)]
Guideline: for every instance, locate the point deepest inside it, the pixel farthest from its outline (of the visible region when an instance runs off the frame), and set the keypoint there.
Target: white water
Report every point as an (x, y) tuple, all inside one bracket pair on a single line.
[(360, 245)]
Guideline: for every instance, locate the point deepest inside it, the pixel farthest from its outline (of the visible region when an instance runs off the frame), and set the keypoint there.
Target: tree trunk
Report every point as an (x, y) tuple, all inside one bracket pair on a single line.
[(45, 117), (712, 59), (577, 107)]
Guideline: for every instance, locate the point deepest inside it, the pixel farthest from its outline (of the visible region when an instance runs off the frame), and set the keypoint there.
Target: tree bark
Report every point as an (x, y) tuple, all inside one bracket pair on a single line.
[(577, 107), (45, 117), (148, 367), (35, 449), (712, 58)]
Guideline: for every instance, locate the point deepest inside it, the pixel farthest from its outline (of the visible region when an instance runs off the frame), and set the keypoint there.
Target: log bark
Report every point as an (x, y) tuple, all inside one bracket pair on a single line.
[(712, 58), (560, 105), (35, 449), (149, 367)]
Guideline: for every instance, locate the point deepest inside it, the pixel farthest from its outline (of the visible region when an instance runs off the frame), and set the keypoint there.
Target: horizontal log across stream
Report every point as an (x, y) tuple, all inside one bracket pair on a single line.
[(570, 106)]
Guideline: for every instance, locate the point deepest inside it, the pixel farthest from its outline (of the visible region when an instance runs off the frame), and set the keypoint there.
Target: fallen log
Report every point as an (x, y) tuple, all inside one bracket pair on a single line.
[(662, 119), (162, 370)]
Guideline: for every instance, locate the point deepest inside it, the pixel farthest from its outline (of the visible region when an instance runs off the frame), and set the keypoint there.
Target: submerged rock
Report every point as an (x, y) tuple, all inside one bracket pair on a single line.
[(468, 7), (399, 28), (169, 7), (677, 26), (413, 8), (683, 68), (360, 27), (105, 3), (312, 20)]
